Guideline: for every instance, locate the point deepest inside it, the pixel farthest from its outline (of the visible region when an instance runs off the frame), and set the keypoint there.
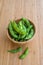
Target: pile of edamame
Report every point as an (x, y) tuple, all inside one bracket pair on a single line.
[(21, 31)]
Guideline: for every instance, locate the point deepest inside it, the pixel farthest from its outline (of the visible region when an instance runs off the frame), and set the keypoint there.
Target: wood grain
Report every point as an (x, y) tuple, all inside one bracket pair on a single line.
[(15, 9)]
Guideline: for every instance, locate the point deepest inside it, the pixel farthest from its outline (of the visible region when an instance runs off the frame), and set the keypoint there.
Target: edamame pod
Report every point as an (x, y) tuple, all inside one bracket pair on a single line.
[(26, 22), (27, 32), (15, 50), (12, 51), (24, 54), (29, 36), (22, 27), (19, 49), (21, 37), (16, 28), (14, 25), (11, 32), (29, 28)]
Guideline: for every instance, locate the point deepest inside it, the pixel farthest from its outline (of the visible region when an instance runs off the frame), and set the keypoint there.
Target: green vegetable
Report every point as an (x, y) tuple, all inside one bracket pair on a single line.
[(17, 29), (15, 50), (22, 27), (29, 28), (26, 22), (29, 36), (11, 32), (21, 31), (22, 37), (24, 54)]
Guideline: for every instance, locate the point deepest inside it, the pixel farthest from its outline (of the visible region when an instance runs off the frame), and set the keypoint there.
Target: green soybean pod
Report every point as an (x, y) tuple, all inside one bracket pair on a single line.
[(29, 36), (24, 54), (27, 31), (11, 32), (26, 21), (22, 27), (19, 49), (31, 33), (12, 51), (21, 37), (29, 28), (16, 28), (15, 50)]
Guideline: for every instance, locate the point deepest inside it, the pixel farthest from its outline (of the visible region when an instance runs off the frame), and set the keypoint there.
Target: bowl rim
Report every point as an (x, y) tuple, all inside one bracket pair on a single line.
[(21, 42)]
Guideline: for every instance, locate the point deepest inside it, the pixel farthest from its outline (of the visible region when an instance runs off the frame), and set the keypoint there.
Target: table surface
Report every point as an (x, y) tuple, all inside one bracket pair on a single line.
[(15, 9)]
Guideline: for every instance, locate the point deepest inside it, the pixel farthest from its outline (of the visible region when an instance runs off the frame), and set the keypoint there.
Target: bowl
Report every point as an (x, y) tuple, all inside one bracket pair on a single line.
[(23, 42)]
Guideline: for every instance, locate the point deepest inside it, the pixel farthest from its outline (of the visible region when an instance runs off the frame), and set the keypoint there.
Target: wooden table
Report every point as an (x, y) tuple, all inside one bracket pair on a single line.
[(15, 9)]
